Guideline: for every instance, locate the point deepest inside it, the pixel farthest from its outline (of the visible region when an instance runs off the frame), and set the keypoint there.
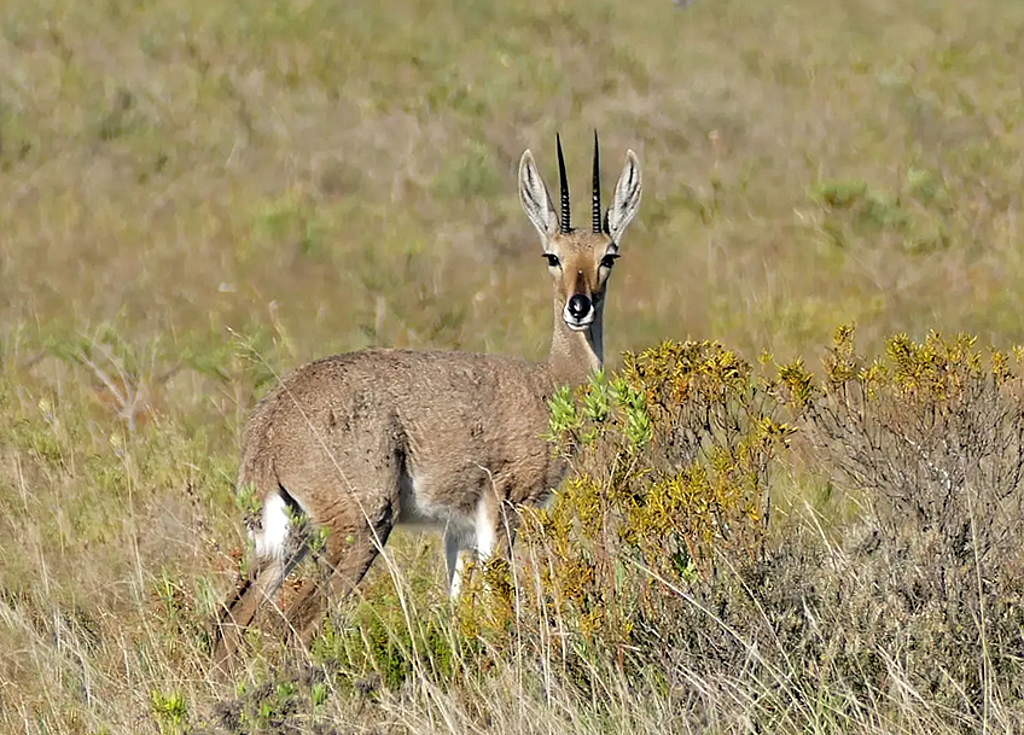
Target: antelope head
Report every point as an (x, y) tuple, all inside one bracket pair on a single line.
[(580, 261)]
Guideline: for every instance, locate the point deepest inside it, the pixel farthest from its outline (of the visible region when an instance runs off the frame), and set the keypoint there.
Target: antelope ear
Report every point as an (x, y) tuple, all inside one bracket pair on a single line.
[(626, 199), (535, 199)]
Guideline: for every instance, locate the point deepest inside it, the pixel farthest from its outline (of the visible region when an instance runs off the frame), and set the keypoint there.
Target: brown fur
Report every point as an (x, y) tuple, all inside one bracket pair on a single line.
[(362, 441)]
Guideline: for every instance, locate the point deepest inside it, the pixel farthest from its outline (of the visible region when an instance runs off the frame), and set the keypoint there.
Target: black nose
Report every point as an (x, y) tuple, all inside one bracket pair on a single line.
[(579, 306)]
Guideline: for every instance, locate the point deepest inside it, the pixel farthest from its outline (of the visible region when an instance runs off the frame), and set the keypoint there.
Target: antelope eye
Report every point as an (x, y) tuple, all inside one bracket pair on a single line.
[(553, 261), (609, 260)]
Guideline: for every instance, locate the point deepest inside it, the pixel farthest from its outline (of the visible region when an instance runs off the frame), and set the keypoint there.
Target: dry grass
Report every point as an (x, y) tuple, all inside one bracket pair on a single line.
[(194, 195)]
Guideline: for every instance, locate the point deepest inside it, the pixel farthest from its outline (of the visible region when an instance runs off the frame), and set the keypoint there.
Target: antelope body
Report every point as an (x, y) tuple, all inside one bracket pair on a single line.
[(363, 441)]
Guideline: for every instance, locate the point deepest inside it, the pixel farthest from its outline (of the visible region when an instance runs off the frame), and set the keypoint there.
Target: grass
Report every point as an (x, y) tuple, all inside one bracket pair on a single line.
[(195, 196)]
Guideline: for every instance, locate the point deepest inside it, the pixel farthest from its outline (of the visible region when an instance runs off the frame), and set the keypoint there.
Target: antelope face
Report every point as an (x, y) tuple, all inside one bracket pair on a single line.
[(580, 264), (580, 261)]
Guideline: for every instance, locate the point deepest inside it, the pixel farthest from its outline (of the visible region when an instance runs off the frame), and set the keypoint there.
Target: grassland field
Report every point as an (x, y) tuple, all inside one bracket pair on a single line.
[(196, 196)]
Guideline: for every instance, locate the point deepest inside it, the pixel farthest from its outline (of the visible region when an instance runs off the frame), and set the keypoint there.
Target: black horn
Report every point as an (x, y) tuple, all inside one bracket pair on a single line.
[(596, 212), (565, 226)]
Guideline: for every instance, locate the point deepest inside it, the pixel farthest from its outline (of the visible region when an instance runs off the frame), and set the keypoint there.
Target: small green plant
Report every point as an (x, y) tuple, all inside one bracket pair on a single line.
[(170, 710), (564, 417), (247, 500), (596, 405), (318, 694), (638, 422)]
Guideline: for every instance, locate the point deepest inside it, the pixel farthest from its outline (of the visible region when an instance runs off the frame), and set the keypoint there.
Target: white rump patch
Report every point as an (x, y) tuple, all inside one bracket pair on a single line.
[(272, 539)]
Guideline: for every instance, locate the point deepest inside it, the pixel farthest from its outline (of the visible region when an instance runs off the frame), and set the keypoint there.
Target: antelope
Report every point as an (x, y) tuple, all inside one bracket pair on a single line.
[(360, 442)]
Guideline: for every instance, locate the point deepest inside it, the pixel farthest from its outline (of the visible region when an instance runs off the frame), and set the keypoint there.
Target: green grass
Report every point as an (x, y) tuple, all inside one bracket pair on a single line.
[(195, 196)]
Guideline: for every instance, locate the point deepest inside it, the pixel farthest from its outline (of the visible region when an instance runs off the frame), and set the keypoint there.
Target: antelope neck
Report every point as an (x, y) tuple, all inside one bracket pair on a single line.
[(575, 355)]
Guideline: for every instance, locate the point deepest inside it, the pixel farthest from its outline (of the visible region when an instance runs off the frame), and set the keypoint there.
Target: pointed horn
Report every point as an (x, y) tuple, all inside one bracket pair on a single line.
[(565, 225), (596, 212)]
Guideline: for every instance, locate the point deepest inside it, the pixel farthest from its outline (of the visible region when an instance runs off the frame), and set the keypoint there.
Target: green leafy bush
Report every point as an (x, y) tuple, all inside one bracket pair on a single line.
[(660, 556), (671, 460)]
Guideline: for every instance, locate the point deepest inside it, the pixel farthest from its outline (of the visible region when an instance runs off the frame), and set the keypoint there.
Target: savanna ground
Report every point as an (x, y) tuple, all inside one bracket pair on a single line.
[(195, 196)]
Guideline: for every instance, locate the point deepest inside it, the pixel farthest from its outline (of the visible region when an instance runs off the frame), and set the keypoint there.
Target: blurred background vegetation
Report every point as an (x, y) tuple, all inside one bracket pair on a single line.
[(197, 195), (344, 173)]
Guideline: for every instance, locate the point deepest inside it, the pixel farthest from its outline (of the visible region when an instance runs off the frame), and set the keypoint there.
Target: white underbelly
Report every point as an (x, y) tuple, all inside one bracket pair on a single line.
[(418, 508)]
